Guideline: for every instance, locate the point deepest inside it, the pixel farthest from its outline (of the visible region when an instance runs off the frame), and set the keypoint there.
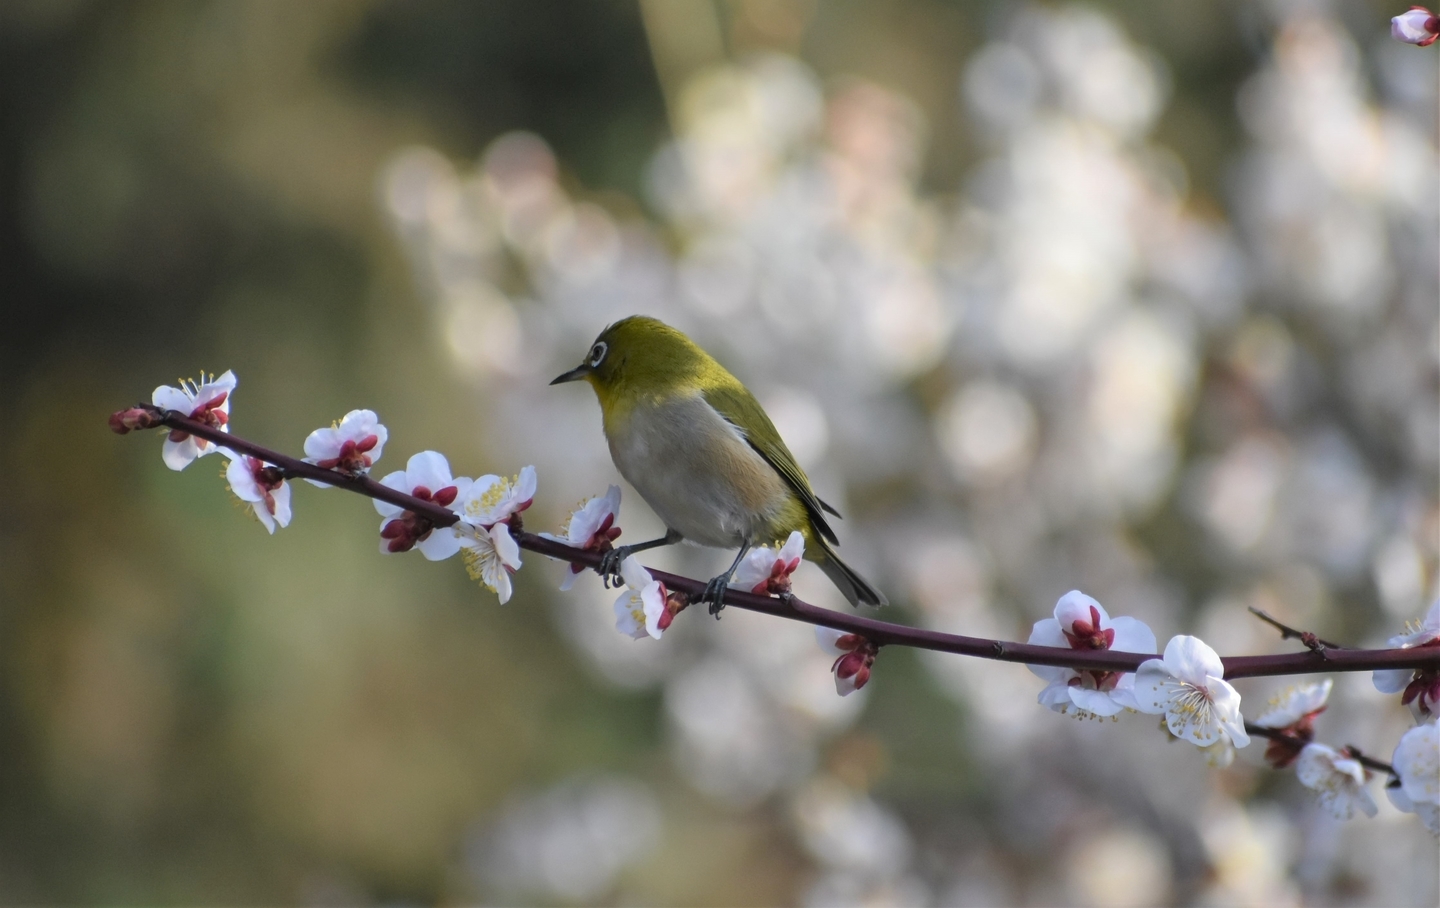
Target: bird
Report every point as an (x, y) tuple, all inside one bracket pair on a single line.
[(699, 448)]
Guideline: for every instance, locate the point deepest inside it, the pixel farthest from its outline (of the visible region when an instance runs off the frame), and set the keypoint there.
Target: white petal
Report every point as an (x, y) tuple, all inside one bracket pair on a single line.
[(1153, 683), (1225, 703), (1056, 695), (827, 637), (1417, 759), (1075, 606), (429, 469), (266, 519), (569, 579), (505, 549), (322, 444), (1132, 636), (1431, 621), (584, 522), (845, 686), (440, 544), (168, 398), (1409, 26), (1053, 673), (1124, 692), (1429, 815), (1294, 703), (242, 480), (398, 481), (1392, 680), (499, 580), (226, 382), (1192, 660), (630, 615), (282, 504), (525, 485), (1046, 632), (634, 574), (652, 599), (179, 454), (1095, 701), (754, 569), (794, 547)]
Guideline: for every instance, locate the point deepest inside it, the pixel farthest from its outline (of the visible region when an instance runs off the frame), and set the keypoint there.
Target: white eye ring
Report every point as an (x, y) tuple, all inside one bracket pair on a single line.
[(597, 353)]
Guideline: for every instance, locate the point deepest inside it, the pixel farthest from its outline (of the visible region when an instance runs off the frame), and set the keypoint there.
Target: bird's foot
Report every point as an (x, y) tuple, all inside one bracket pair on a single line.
[(610, 562), (714, 595)]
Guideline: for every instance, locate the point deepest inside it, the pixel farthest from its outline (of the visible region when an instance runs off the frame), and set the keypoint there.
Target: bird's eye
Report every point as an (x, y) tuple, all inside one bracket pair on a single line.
[(597, 353)]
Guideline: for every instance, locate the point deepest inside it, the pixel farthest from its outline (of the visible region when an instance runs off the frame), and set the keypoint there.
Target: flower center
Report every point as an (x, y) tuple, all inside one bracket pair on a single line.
[(1189, 700)]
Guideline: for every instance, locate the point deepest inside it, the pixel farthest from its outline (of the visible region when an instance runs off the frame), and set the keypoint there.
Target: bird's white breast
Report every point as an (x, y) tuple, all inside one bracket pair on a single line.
[(696, 470)]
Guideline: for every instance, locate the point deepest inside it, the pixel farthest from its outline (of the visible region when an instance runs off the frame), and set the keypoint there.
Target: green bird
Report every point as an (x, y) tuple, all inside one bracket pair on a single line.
[(699, 449)]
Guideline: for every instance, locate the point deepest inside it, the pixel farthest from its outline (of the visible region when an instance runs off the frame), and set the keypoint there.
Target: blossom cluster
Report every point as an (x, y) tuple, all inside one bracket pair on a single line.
[(1186, 685), (485, 508)]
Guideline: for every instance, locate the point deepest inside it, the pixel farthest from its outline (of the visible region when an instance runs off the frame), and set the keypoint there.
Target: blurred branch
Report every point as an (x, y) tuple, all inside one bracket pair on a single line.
[(685, 36), (1281, 734), (881, 633)]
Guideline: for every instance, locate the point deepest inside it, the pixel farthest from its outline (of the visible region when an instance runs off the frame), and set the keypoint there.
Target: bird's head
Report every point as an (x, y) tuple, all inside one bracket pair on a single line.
[(638, 355)]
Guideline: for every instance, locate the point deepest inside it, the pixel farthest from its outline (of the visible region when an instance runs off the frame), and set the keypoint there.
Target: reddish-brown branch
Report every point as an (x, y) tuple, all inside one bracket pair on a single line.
[(882, 633)]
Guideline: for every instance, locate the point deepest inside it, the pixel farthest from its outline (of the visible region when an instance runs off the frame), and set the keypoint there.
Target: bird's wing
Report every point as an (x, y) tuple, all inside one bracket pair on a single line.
[(740, 408)]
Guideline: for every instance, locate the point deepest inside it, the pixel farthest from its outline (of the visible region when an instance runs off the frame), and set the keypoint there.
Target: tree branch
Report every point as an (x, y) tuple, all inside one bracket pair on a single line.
[(882, 633)]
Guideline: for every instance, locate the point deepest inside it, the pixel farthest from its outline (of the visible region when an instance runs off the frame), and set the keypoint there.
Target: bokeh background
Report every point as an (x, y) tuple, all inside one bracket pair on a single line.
[(1134, 297)]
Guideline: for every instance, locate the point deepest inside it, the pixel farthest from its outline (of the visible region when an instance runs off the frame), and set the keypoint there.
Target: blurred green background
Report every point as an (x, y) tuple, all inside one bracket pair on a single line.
[(1133, 297)]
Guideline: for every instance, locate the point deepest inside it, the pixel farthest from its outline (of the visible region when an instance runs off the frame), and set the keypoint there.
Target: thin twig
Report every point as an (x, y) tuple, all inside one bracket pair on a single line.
[(1370, 762), (1287, 632), (882, 633)]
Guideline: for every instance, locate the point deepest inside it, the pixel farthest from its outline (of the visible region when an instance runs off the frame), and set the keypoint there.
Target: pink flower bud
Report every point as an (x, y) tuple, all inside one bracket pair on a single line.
[(132, 419)]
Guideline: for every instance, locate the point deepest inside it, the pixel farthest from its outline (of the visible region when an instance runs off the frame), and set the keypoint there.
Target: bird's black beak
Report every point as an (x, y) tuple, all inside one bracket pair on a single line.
[(574, 374)]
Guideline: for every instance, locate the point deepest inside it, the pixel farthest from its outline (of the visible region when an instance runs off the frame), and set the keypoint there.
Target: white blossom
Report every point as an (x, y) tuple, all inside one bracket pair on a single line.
[(1295, 703), (764, 570), (854, 657), (351, 446), (207, 401), (639, 609), (255, 482), (1429, 814), (426, 476), (1417, 25), (1082, 623), (491, 556), (592, 528), (1417, 760), (1187, 686), (495, 499), (1421, 688), (1339, 778)]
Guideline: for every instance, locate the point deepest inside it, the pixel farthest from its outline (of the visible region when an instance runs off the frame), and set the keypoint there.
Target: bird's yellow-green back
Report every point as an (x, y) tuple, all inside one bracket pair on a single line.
[(644, 359)]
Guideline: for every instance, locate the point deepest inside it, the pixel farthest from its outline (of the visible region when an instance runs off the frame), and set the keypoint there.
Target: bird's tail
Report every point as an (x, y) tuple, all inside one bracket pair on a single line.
[(855, 588)]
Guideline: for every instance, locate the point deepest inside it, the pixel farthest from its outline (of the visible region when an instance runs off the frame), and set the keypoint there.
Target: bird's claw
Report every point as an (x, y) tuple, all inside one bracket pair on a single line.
[(714, 595), (610, 562)]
